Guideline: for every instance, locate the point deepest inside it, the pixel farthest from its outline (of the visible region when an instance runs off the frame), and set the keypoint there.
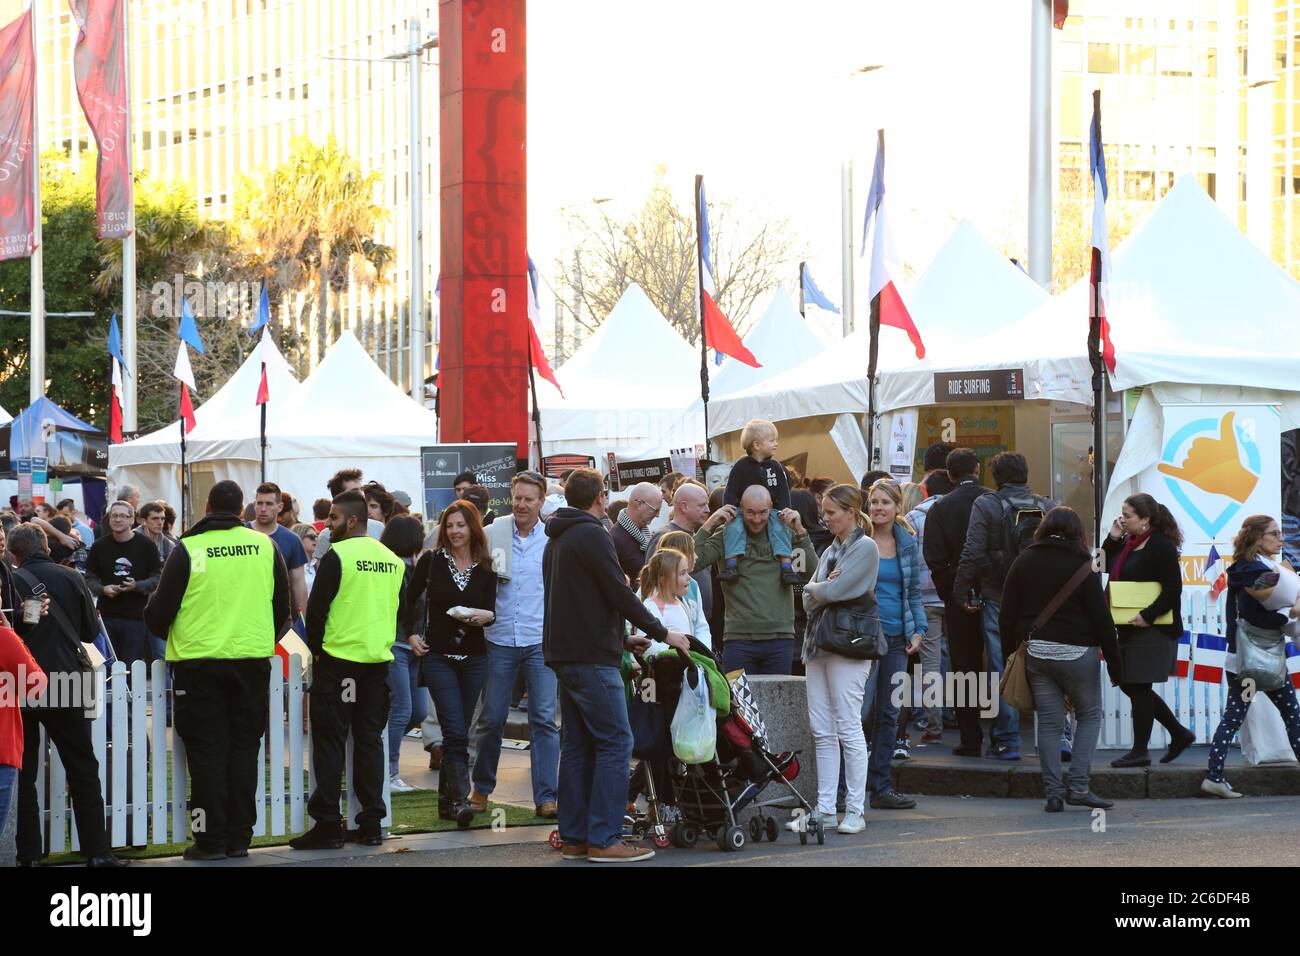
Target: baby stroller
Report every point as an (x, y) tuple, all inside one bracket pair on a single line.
[(708, 799)]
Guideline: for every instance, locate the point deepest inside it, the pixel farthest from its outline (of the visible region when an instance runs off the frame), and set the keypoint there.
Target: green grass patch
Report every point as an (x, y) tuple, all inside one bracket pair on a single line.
[(412, 813)]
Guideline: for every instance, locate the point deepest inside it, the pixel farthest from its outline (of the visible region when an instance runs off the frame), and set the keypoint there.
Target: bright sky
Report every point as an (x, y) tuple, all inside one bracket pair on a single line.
[(759, 97)]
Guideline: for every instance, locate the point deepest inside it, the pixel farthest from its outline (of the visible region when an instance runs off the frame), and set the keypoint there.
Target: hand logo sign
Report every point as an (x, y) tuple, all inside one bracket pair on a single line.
[(1214, 465)]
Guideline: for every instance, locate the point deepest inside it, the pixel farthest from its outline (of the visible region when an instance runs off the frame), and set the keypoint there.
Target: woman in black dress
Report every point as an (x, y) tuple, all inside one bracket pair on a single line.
[(1143, 546), (452, 651)]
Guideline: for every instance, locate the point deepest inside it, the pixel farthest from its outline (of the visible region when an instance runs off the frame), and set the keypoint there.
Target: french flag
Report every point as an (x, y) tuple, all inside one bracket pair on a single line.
[(885, 262), (184, 372), (717, 329), (1216, 573), (1184, 655), (1211, 657), (1099, 275), (119, 364), (536, 354), (1293, 663)]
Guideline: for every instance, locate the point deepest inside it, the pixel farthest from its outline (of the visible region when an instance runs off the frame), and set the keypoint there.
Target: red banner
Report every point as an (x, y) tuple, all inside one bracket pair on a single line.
[(99, 65), (17, 158), (483, 307)]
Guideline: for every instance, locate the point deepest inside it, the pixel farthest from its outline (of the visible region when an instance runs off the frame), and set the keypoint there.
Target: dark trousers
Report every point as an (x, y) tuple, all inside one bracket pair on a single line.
[(220, 715), (966, 654), (70, 732), (347, 696)]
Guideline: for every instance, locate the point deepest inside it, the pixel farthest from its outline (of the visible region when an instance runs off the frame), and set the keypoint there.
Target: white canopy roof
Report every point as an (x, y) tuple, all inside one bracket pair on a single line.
[(780, 340), (5, 417), (229, 423), (969, 285), (628, 390)]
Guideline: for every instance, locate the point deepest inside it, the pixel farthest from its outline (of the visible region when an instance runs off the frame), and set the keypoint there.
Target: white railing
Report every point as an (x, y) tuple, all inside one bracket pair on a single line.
[(132, 743)]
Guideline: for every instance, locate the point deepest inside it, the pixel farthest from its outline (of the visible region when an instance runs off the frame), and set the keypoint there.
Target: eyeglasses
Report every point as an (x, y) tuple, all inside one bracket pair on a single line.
[(309, 537)]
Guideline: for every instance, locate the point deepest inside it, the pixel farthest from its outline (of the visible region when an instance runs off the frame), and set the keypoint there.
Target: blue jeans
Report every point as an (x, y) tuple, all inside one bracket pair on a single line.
[(455, 686), (408, 703), (595, 751), (130, 639), (733, 537), (758, 657), (1006, 726), (8, 781), (544, 736), (880, 777)]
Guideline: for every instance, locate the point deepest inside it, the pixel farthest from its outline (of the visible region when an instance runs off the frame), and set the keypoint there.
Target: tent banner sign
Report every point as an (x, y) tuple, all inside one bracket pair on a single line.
[(633, 472), (71, 452), (986, 385), (493, 466), (1218, 465)]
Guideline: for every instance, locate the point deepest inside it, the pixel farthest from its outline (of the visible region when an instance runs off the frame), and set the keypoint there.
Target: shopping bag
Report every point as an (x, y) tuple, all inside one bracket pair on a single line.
[(1263, 735), (694, 731)]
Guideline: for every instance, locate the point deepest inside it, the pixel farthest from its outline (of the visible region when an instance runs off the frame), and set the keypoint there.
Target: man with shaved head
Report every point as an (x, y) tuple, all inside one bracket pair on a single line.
[(631, 532), (759, 625), (690, 508)]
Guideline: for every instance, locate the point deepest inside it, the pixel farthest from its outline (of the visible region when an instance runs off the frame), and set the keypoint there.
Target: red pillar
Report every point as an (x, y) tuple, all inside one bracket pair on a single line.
[(483, 350)]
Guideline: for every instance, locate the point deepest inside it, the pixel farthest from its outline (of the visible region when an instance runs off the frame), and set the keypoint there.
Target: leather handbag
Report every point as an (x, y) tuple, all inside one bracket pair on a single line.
[(1261, 654), (1014, 685), (851, 628), (1130, 598)]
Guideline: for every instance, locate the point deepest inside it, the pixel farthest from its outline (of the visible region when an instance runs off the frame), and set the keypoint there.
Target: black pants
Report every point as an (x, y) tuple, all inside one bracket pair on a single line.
[(347, 696), (966, 656), (1148, 707), (70, 732), (220, 714)]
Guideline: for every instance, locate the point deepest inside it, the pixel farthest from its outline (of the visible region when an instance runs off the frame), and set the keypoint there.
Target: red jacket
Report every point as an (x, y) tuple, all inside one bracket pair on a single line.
[(15, 659)]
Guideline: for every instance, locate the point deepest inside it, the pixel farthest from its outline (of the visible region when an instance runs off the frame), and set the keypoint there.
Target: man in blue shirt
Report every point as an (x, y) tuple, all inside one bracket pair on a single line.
[(266, 509), (516, 542)]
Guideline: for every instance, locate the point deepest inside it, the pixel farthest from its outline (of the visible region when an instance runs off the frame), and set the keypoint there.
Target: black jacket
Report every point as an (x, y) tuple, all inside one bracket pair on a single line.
[(630, 556), (49, 641), (587, 597), (769, 474), (165, 603), (1035, 577), (945, 533), (1158, 561)]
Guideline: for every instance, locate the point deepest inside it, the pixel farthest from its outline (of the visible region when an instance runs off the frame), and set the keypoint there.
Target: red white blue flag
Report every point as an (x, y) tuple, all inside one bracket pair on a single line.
[(1210, 658), (1184, 661), (1100, 347), (1293, 663), (119, 364), (885, 263), (717, 329), (536, 355), (1215, 573)]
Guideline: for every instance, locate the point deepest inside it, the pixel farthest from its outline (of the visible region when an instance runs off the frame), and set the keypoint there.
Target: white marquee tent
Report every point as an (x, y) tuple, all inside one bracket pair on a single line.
[(227, 432), (632, 388)]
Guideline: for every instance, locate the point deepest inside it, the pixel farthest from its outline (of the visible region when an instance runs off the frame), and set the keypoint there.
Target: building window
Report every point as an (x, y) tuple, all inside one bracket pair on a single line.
[(176, 139), (1103, 57), (1209, 63), (1175, 61), (1207, 183), (1139, 184), (1140, 59), (146, 139)]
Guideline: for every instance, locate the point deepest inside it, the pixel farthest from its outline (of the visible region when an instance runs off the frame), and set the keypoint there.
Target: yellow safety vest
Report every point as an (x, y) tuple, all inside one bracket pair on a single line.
[(362, 621), (226, 611)]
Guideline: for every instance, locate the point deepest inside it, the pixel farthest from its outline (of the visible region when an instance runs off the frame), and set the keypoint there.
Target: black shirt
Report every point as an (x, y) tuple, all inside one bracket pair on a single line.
[(111, 561), (748, 471), (433, 575)]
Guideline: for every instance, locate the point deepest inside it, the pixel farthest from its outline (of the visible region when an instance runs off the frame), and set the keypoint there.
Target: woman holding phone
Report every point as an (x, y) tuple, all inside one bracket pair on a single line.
[(461, 589), (1143, 546)]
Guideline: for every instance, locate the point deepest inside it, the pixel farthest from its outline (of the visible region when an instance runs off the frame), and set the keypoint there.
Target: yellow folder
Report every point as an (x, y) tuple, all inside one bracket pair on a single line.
[(1130, 598)]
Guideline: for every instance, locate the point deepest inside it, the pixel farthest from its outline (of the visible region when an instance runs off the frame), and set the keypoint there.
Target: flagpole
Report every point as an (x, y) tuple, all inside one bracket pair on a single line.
[(263, 426), (802, 266), (36, 358), (184, 484), (873, 337), (537, 412), (1095, 353), (130, 417), (704, 345)]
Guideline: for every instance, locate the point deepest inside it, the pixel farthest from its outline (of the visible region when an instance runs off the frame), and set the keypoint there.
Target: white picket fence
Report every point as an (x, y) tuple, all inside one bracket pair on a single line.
[(133, 743), (1198, 705)]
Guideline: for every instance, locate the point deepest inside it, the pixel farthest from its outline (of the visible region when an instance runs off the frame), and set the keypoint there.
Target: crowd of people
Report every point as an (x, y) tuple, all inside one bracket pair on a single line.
[(435, 629)]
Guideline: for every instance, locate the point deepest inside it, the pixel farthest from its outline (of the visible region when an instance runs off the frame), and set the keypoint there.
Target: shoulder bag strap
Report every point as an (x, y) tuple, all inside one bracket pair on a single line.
[(59, 614), (1060, 598)]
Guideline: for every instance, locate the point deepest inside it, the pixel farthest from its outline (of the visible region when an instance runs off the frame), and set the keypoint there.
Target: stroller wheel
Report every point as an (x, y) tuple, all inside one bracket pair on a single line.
[(821, 833), (803, 837), (756, 829), (731, 839), (685, 835), (556, 842), (773, 829)]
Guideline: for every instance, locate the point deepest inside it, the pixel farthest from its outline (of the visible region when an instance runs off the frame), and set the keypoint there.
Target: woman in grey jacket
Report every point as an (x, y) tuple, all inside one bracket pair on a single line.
[(836, 684)]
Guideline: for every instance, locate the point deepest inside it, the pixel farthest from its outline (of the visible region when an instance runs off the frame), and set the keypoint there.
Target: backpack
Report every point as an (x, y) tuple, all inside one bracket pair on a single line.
[(1021, 516)]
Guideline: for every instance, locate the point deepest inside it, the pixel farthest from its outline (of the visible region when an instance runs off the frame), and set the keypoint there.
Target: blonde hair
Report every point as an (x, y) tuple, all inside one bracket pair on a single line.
[(849, 497), (758, 429), (890, 487), (678, 541), (913, 494), (663, 564)]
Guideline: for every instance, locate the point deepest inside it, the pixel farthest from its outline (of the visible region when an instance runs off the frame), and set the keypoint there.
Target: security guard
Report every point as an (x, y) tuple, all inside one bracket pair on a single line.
[(222, 601), (352, 617)]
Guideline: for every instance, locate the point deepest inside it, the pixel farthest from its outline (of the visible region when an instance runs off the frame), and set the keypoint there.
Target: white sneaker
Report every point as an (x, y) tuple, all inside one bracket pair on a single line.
[(853, 823), (415, 732), (1219, 788), (397, 785)]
